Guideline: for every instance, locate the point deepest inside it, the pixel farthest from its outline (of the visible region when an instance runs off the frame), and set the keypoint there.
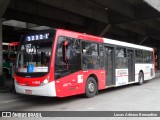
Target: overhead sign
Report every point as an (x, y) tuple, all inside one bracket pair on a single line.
[(37, 37)]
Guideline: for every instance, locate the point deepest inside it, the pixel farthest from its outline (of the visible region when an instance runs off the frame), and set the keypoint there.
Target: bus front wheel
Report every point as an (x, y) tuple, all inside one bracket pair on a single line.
[(91, 87), (141, 78)]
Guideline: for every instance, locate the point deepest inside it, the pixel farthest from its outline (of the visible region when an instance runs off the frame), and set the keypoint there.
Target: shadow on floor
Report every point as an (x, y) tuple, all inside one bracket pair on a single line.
[(8, 86)]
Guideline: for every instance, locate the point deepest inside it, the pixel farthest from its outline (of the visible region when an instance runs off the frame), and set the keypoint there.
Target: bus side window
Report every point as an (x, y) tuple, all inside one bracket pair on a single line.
[(121, 58), (90, 55), (139, 56), (145, 56), (151, 57), (101, 56), (74, 54), (68, 60)]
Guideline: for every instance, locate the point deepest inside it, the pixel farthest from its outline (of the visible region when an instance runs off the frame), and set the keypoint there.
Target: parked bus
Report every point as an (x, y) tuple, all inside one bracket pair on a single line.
[(64, 63), (9, 57)]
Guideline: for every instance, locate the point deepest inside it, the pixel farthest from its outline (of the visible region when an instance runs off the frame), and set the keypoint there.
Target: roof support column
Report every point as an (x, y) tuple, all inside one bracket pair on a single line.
[(4, 4), (1, 55), (105, 30), (145, 38)]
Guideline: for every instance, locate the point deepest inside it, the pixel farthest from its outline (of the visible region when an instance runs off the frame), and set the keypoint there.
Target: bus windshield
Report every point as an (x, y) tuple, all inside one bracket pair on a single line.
[(34, 58), (34, 55)]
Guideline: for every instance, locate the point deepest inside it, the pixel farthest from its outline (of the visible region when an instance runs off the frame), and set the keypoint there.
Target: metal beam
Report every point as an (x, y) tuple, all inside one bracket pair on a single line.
[(133, 27), (3, 6), (145, 38), (105, 30), (119, 6), (151, 27), (38, 9), (139, 29), (79, 7), (117, 31), (30, 25), (90, 27), (1, 56), (142, 12), (16, 15), (155, 24), (15, 23), (145, 11)]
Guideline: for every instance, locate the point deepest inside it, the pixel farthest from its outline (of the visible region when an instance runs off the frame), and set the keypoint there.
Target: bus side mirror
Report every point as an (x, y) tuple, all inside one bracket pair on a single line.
[(65, 44), (65, 56)]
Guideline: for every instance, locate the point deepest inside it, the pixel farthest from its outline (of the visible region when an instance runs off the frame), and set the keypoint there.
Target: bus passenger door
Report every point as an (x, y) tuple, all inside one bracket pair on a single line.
[(131, 66), (109, 65)]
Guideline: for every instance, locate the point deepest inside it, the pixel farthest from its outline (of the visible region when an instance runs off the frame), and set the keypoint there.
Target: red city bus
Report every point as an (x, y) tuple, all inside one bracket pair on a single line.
[(12, 47), (63, 63)]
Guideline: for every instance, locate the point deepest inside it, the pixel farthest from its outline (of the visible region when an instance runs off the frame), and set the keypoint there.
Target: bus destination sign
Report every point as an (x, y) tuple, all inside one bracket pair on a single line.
[(37, 37)]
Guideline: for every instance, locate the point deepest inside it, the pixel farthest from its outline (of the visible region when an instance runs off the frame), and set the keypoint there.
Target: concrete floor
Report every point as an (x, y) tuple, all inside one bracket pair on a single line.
[(126, 98)]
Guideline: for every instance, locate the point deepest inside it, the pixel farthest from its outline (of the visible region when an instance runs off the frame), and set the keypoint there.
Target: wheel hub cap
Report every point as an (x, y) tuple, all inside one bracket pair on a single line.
[(91, 87)]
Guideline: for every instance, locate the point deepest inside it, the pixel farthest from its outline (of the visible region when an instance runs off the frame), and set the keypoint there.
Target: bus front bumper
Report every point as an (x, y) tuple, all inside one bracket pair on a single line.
[(45, 90)]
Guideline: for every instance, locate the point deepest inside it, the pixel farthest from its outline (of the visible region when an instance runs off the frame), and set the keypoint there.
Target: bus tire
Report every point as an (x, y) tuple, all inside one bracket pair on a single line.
[(141, 78), (91, 87)]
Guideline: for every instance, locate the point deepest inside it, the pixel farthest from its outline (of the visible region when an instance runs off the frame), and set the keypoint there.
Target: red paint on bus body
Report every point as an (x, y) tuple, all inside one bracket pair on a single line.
[(71, 84), (74, 83), (27, 81)]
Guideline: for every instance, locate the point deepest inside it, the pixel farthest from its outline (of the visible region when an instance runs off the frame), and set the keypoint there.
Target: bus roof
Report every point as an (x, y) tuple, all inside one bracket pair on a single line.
[(125, 44), (109, 41)]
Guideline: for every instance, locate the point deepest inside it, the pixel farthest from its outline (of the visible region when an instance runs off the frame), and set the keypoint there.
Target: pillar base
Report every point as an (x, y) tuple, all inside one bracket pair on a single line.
[(2, 79)]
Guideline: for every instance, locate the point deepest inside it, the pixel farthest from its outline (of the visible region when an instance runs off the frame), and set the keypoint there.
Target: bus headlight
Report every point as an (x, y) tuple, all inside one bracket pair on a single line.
[(45, 81)]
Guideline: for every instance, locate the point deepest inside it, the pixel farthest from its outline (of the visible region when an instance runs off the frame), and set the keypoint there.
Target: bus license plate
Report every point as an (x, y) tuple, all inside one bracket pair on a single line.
[(28, 91)]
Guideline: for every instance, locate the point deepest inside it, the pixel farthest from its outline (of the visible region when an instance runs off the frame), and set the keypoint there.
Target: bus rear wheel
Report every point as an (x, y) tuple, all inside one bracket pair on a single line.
[(91, 87), (141, 78)]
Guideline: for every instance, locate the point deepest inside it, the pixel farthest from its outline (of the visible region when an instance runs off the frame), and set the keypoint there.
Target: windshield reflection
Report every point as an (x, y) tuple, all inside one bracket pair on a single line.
[(34, 57)]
